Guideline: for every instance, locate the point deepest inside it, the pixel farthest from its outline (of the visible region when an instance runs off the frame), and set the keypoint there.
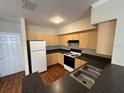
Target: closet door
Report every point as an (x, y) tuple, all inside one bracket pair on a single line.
[(11, 56)]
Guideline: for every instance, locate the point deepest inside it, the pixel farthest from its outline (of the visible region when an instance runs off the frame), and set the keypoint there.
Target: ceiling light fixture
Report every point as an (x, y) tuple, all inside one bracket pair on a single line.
[(57, 20)]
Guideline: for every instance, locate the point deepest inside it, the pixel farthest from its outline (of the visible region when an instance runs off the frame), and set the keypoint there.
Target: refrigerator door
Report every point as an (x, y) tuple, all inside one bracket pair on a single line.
[(38, 61), (37, 45)]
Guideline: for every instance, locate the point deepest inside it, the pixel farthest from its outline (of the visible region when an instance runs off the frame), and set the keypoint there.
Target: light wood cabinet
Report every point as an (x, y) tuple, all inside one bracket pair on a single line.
[(75, 36), (92, 41), (61, 58), (55, 58), (79, 62), (83, 41), (106, 35), (63, 40), (87, 39), (51, 40), (52, 59)]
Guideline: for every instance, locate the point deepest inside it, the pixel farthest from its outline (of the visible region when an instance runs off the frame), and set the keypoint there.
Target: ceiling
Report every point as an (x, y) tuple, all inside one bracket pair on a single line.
[(70, 10)]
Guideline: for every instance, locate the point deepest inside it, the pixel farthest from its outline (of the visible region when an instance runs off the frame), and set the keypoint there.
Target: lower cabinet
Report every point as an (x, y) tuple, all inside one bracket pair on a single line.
[(55, 58), (79, 62), (61, 58)]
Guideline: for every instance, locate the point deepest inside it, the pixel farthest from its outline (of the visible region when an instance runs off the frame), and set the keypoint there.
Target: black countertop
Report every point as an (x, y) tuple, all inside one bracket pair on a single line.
[(110, 81), (84, 50), (66, 85)]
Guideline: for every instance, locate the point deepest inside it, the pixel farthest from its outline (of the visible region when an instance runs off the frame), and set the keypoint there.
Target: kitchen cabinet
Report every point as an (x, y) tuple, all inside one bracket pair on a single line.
[(61, 58), (92, 39), (106, 34), (79, 62), (63, 40), (55, 58), (52, 59), (83, 41), (87, 39), (74, 36), (51, 40)]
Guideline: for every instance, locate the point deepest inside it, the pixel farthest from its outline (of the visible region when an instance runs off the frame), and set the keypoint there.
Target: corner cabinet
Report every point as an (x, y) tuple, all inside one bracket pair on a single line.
[(52, 59), (79, 62), (55, 58)]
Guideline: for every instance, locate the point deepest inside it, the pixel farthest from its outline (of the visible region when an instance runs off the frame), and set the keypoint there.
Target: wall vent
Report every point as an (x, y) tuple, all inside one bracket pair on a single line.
[(99, 3), (28, 4)]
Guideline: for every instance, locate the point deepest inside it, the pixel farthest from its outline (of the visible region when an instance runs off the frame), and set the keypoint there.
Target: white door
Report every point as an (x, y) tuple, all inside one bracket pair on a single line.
[(38, 60), (11, 59)]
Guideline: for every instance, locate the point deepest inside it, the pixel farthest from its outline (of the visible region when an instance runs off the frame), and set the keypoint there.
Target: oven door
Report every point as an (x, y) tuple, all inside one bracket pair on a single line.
[(69, 63)]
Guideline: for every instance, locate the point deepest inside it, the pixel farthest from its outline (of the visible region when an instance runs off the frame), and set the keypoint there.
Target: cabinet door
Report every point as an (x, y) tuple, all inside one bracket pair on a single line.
[(52, 59), (79, 62), (55, 40), (75, 36), (63, 40), (92, 42), (61, 58), (83, 40)]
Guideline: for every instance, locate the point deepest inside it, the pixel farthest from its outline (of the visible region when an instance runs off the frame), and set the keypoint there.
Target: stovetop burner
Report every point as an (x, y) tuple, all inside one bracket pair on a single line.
[(72, 54)]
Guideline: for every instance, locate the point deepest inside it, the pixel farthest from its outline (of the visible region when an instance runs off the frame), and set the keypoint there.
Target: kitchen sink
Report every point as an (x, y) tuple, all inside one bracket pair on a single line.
[(87, 75), (92, 70)]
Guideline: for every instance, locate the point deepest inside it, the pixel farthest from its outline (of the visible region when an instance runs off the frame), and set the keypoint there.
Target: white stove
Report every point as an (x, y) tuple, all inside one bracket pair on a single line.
[(72, 54), (69, 59)]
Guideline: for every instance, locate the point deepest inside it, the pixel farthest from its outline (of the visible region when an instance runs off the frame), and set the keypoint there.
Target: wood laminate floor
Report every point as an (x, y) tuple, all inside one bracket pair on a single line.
[(12, 83)]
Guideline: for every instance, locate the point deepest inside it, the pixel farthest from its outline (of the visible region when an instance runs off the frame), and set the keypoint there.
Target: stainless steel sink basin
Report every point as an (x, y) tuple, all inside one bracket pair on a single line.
[(92, 70), (83, 78), (86, 75)]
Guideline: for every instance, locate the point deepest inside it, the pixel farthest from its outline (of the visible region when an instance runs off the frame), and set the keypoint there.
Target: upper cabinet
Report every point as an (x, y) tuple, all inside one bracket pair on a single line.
[(51, 40), (106, 34), (83, 42), (92, 39), (74, 36), (87, 39), (64, 38)]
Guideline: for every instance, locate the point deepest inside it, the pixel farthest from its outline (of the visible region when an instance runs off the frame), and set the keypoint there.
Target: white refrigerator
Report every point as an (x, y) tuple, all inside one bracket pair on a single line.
[(37, 56)]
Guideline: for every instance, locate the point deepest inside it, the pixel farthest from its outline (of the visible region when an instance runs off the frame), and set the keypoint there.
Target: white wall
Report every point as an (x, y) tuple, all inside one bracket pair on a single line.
[(42, 30), (80, 25), (25, 54), (111, 10), (9, 26)]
